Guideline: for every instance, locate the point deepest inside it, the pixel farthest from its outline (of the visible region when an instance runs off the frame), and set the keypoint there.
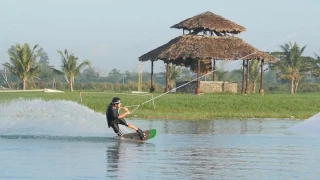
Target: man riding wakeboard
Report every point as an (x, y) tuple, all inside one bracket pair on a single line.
[(114, 119)]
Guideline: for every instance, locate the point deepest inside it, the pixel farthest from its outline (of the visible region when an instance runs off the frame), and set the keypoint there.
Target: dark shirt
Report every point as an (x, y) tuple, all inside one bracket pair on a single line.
[(112, 114)]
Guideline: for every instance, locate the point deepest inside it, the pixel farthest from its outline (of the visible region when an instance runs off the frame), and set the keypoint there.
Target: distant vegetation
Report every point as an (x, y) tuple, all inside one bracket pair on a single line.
[(30, 69)]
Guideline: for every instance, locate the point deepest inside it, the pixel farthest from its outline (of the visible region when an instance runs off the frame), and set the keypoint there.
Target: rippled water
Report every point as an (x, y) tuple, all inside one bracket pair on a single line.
[(215, 149)]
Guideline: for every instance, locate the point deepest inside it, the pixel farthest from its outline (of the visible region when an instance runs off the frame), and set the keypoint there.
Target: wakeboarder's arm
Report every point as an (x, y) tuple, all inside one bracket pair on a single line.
[(124, 114)]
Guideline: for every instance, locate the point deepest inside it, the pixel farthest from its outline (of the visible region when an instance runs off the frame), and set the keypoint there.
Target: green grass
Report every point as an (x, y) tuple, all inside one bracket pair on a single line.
[(190, 106)]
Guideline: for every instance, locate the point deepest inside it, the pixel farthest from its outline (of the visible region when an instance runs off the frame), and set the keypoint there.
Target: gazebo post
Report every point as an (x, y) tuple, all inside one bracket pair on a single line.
[(243, 75), (214, 69), (247, 91), (167, 89), (152, 88), (198, 78), (261, 90)]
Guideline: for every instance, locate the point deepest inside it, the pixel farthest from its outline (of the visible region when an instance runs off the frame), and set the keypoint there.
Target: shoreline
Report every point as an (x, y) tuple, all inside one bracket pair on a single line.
[(190, 106)]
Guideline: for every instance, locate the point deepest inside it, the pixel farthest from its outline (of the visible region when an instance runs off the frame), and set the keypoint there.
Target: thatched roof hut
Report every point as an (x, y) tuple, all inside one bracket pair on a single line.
[(205, 48), (196, 51), (209, 21)]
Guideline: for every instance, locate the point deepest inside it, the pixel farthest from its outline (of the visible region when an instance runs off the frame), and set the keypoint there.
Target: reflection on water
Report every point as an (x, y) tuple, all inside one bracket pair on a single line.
[(113, 157), (219, 126), (125, 159)]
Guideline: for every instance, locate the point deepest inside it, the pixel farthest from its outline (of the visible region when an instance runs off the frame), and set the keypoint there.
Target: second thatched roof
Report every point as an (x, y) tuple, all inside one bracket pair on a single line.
[(209, 21), (189, 47)]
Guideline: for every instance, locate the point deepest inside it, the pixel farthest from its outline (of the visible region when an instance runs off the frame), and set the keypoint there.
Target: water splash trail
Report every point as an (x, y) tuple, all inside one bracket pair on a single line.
[(51, 118)]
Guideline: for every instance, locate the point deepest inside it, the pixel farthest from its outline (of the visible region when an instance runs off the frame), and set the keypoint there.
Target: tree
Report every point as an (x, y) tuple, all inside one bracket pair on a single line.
[(46, 73), (89, 74), (160, 78), (186, 74), (254, 74), (34, 74), (115, 76), (44, 58), (291, 65), (130, 76), (69, 67), (174, 74), (220, 73), (316, 66), (235, 76), (23, 62)]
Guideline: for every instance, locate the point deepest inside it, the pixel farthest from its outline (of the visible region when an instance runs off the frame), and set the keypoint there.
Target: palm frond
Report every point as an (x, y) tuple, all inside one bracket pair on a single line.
[(81, 66), (34, 71), (56, 71)]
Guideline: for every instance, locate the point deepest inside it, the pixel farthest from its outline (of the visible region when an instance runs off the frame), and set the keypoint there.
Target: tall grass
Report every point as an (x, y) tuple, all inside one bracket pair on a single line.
[(190, 106)]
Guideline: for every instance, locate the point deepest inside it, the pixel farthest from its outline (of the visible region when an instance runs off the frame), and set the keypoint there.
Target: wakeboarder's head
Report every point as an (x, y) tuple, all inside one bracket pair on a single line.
[(116, 102)]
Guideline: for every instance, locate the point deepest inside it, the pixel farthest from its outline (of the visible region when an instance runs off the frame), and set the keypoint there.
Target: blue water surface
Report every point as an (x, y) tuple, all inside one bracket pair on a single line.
[(37, 145)]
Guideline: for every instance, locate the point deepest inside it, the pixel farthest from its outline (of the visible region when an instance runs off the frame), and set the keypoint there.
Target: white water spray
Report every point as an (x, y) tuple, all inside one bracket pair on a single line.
[(52, 118), (311, 125)]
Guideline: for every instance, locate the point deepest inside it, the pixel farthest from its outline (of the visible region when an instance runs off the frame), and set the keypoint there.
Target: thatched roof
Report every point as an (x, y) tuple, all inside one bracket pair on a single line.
[(187, 48), (209, 21)]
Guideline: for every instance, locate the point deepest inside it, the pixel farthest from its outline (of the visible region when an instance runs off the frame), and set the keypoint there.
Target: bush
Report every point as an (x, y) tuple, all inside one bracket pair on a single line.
[(309, 87)]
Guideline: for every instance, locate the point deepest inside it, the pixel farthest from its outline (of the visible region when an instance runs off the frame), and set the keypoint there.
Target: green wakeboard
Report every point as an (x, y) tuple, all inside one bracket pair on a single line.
[(135, 137)]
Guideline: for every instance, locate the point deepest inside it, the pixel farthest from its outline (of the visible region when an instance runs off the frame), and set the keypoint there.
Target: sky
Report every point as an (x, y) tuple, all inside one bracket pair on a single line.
[(113, 34)]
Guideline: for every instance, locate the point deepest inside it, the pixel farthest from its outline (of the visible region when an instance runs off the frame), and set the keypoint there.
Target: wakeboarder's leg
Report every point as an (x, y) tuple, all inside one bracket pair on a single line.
[(139, 131)]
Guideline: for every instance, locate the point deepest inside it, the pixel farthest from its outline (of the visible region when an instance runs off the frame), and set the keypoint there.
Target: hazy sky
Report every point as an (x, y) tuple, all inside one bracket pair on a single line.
[(114, 33)]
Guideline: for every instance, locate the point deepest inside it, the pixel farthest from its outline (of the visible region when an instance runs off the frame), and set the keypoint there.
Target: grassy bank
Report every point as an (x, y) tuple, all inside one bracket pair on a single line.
[(190, 106)]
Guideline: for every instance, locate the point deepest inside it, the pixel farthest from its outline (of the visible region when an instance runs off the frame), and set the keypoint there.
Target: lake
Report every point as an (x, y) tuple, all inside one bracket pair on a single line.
[(63, 140)]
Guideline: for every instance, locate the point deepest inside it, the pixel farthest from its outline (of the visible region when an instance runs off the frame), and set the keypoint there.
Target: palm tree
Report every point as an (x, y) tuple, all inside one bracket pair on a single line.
[(291, 65), (316, 69), (174, 74), (69, 67), (23, 61), (220, 74), (34, 74), (254, 74), (219, 71)]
